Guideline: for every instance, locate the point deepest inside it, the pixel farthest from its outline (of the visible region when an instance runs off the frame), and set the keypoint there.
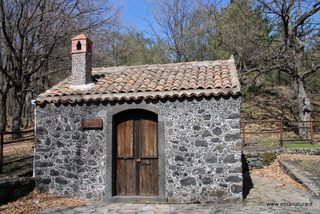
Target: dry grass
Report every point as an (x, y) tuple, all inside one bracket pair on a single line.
[(274, 171), (273, 139), (37, 201), (298, 157), (18, 148)]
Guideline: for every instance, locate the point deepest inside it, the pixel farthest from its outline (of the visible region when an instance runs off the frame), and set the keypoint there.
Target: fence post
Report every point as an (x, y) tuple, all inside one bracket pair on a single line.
[(1, 152), (311, 132), (281, 132)]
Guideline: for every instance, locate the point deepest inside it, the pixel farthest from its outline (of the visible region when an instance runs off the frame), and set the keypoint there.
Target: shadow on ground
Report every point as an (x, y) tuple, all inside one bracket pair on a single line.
[(247, 181)]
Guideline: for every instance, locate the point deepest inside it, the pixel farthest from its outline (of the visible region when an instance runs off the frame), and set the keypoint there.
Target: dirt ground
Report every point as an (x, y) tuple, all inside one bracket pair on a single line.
[(36, 201), (274, 171)]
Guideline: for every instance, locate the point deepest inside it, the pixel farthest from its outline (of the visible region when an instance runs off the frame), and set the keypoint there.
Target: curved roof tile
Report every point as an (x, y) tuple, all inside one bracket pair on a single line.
[(150, 81)]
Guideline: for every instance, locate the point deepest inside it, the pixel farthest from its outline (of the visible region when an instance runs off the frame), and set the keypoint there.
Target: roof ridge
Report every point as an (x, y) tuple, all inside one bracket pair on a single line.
[(164, 64)]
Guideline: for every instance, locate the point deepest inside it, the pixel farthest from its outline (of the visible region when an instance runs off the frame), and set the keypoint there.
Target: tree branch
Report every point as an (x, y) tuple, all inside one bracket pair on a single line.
[(301, 20), (314, 69)]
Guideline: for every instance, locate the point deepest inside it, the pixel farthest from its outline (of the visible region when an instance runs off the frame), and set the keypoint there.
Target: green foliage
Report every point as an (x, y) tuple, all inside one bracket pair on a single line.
[(300, 145), (129, 48), (247, 112), (204, 44), (243, 29), (268, 142), (312, 57), (276, 78), (267, 158)]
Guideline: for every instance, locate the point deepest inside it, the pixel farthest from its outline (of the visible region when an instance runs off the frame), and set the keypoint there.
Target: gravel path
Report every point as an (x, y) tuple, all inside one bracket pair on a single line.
[(257, 196)]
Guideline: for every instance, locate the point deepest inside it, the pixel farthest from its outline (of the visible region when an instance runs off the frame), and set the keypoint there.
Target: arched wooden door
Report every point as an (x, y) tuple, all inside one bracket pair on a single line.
[(136, 153)]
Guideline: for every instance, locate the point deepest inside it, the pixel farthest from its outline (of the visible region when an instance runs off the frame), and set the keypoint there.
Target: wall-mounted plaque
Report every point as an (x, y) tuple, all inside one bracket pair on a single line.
[(92, 123)]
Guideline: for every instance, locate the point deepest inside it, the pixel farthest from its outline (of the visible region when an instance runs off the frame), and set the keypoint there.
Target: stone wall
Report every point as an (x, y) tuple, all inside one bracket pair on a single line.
[(203, 150), (70, 161), (81, 71), (199, 139), (260, 159)]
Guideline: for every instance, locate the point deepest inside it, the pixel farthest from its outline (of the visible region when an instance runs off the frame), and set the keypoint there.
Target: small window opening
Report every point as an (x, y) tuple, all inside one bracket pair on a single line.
[(89, 47), (78, 45)]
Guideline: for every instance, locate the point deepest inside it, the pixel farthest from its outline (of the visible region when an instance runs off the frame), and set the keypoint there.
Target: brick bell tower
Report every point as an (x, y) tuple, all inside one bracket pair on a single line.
[(81, 53)]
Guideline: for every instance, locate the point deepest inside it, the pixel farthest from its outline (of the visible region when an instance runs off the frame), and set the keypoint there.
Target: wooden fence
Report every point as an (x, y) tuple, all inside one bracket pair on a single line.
[(266, 127), (2, 143), (280, 128)]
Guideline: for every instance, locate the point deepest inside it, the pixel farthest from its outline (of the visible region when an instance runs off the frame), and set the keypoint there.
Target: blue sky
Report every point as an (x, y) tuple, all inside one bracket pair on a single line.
[(132, 10)]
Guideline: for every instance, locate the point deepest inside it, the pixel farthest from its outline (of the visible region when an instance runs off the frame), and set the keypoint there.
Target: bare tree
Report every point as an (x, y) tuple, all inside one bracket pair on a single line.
[(272, 35), (32, 30), (127, 47), (297, 23), (4, 89), (173, 24), (240, 29)]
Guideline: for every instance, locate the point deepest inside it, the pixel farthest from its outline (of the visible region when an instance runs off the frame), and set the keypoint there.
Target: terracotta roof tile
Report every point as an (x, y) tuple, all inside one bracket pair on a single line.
[(151, 81), (81, 36)]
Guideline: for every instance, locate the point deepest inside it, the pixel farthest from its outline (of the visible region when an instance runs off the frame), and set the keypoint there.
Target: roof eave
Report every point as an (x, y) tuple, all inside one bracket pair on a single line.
[(138, 95)]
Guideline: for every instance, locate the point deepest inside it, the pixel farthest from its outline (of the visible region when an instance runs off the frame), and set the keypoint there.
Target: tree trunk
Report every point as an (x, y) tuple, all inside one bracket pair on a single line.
[(305, 109), (3, 112), (5, 87), (28, 111), (17, 112)]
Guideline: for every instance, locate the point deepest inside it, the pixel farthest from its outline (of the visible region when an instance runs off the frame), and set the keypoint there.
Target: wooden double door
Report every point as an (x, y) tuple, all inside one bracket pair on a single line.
[(136, 153)]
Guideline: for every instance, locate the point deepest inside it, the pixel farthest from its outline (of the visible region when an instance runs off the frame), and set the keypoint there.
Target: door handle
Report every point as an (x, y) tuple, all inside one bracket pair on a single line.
[(138, 160)]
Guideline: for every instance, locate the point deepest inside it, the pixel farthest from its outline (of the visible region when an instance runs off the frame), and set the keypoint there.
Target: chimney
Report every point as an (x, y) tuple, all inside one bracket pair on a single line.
[(81, 53)]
